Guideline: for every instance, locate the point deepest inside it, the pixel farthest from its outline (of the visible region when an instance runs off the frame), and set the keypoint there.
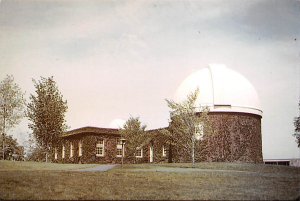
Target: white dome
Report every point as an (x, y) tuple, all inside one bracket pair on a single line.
[(117, 123), (222, 89)]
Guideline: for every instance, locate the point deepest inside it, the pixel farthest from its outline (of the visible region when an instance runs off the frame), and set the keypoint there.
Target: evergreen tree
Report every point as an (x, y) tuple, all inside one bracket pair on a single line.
[(12, 106), (46, 113)]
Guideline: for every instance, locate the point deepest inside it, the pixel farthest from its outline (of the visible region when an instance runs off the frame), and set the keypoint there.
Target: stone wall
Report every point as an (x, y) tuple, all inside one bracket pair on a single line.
[(89, 141), (236, 137)]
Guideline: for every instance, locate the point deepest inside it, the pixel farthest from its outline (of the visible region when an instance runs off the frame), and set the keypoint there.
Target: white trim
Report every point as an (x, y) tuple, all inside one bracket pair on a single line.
[(119, 147), (141, 153), (63, 153), (151, 155), (79, 148), (71, 150), (231, 108), (55, 153), (164, 151), (199, 131)]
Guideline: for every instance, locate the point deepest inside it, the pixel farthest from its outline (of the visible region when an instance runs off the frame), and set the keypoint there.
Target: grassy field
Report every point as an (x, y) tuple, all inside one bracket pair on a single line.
[(29, 180)]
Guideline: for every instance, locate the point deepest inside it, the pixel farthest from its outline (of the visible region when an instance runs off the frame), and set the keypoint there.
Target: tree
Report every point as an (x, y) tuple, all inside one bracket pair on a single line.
[(12, 106), (187, 125), (12, 149), (46, 112), (134, 133), (34, 151), (297, 128)]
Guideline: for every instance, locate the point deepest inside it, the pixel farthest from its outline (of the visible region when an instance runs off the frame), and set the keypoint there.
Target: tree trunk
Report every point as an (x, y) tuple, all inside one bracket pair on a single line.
[(3, 144), (47, 153), (3, 139), (170, 154), (193, 151)]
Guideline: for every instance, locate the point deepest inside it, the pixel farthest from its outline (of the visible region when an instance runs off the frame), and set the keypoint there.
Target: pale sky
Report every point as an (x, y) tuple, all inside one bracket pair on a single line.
[(112, 59)]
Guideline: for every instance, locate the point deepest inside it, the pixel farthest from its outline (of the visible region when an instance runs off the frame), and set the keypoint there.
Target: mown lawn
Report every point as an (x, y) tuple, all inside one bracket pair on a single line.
[(16, 165), (158, 181)]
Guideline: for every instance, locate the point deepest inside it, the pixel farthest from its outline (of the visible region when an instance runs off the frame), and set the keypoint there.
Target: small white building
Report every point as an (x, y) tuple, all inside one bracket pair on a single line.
[(295, 162)]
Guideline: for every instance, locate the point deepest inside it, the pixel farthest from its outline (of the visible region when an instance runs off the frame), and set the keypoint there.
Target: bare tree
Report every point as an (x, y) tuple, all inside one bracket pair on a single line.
[(12, 105)]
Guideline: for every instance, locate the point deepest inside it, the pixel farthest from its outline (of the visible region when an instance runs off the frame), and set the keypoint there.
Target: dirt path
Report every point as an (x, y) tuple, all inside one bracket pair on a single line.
[(98, 168)]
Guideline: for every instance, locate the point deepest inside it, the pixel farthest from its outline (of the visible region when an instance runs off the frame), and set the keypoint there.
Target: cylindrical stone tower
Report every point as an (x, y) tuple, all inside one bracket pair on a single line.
[(235, 113)]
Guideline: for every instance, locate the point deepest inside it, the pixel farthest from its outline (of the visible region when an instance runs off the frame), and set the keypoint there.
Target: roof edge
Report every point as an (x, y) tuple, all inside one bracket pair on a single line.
[(92, 129)]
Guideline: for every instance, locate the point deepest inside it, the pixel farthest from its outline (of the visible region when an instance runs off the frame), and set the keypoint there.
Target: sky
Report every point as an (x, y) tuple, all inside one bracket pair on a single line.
[(116, 59)]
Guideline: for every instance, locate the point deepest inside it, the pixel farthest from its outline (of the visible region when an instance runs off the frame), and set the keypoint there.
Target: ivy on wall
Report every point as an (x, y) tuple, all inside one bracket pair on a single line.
[(234, 137)]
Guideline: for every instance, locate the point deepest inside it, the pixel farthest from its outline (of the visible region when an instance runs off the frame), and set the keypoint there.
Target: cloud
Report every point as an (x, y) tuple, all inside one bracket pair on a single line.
[(272, 20), (121, 57)]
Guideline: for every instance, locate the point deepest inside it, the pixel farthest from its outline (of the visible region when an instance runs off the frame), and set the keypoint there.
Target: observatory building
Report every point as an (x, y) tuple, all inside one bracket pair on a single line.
[(234, 112)]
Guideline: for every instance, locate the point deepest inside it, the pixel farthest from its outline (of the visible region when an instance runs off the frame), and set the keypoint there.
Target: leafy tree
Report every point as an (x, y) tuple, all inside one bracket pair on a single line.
[(12, 149), (134, 133), (297, 128), (46, 112), (12, 106), (34, 151), (36, 154), (187, 125)]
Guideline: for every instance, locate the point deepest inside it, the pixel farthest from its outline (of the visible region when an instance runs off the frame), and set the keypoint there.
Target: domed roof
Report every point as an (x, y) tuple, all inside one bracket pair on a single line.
[(222, 89), (117, 123)]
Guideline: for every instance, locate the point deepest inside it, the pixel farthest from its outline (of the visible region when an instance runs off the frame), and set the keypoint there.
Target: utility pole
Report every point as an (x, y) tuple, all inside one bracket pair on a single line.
[(193, 150), (123, 143)]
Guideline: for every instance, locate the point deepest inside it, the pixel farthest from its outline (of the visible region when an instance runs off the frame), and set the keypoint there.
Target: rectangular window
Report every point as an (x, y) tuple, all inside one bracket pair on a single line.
[(80, 148), (119, 152), (164, 151), (71, 149), (55, 153), (100, 148), (199, 131), (139, 153), (63, 151), (119, 148)]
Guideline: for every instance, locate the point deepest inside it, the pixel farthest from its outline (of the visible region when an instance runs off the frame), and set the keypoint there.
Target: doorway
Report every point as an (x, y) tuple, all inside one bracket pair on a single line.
[(151, 154)]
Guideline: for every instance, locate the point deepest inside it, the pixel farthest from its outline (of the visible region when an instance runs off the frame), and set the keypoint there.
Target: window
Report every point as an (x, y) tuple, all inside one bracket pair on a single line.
[(139, 153), (119, 152), (119, 148), (199, 131), (164, 151), (55, 153), (63, 151), (71, 149), (100, 148), (80, 148)]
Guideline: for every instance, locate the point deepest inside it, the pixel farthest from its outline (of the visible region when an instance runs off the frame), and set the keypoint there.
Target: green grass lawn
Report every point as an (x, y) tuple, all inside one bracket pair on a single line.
[(29, 180), (17, 165)]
